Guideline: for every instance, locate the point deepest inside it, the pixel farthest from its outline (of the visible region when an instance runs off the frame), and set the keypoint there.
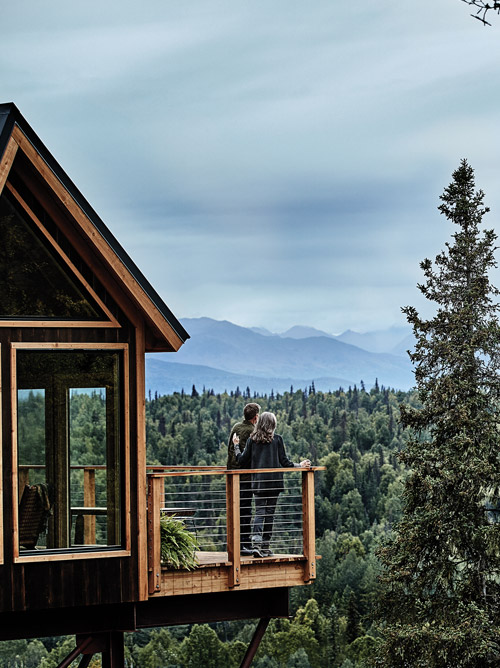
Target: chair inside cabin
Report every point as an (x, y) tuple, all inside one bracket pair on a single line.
[(34, 509)]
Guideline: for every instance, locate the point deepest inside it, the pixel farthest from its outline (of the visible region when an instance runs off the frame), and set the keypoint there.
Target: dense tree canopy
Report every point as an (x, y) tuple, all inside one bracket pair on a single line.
[(356, 435)]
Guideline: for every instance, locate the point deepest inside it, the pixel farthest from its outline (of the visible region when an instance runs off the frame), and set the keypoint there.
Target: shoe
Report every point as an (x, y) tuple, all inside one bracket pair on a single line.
[(256, 552), (246, 552), (266, 552)]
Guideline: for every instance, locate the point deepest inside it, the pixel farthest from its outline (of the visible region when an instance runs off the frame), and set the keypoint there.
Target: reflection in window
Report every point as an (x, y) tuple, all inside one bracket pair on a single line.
[(68, 438), (35, 282)]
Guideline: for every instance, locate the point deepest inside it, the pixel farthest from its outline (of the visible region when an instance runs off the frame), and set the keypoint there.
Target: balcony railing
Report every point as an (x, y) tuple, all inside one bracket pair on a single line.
[(86, 490), (208, 500)]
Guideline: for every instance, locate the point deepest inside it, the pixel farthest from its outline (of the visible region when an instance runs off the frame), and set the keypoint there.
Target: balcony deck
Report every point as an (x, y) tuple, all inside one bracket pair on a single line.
[(214, 572), (220, 571)]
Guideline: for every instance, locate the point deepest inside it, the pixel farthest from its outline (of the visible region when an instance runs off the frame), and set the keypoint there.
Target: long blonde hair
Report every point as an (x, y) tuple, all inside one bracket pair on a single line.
[(264, 429)]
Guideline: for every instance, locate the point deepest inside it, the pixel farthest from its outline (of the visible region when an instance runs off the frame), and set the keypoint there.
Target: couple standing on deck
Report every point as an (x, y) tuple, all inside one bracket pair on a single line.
[(253, 444)]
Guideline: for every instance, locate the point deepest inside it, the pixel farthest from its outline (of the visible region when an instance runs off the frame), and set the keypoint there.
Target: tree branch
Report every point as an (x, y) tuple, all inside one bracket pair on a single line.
[(483, 9)]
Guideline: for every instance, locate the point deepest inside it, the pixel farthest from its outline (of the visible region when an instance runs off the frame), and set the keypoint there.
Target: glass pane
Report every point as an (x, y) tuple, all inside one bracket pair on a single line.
[(35, 282), (87, 453), (31, 452), (69, 447)]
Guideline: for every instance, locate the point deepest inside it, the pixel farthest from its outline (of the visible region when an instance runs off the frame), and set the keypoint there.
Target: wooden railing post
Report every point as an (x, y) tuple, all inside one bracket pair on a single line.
[(233, 528), (155, 493), (23, 477), (89, 502), (308, 525)]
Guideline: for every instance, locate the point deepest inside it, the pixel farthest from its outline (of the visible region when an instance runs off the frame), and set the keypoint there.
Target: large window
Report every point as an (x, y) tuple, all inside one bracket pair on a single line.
[(35, 283), (71, 449)]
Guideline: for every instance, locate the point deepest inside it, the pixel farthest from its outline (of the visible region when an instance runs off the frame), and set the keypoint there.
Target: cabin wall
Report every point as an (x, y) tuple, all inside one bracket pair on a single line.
[(75, 582)]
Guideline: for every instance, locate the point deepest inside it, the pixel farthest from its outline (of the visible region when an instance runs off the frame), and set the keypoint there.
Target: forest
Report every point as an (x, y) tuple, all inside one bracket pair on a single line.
[(356, 435)]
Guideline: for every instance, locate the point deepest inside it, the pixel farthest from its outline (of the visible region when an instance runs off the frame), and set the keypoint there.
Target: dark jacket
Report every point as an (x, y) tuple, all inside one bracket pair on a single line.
[(243, 431), (265, 456)]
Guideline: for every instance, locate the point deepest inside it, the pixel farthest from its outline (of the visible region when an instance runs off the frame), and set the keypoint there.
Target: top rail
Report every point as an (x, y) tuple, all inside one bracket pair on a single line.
[(231, 472), (158, 468)]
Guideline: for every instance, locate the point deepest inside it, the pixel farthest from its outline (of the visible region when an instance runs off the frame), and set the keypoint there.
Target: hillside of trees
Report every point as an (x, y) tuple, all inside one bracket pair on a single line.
[(356, 435)]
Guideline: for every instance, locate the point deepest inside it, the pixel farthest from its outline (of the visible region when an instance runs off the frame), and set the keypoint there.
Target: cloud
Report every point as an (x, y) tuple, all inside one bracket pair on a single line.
[(267, 163)]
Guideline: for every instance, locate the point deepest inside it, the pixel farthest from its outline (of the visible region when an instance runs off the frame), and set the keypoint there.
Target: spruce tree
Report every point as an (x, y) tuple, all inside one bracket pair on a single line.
[(441, 601)]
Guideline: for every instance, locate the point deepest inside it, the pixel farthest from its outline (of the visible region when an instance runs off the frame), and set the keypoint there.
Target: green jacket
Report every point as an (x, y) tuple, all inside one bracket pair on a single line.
[(243, 430)]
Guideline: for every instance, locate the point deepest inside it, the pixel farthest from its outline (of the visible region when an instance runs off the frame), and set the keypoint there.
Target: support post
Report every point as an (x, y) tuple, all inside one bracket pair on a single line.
[(89, 502), (114, 655), (308, 525), (155, 493), (233, 528), (81, 646), (255, 642)]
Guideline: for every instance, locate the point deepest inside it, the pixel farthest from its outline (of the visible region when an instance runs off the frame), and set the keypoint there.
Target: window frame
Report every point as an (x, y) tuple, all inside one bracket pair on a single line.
[(1, 468), (65, 554)]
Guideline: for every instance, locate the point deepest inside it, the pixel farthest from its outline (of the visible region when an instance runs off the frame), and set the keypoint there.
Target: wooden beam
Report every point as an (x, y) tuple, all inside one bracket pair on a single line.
[(114, 655), (255, 642), (233, 529), (89, 502), (79, 649), (7, 160), (2, 526), (14, 454), (212, 607), (308, 525), (155, 497), (140, 464)]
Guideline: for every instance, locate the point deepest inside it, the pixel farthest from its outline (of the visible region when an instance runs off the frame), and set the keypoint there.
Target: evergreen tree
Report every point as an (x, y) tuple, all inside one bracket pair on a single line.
[(442, 596)]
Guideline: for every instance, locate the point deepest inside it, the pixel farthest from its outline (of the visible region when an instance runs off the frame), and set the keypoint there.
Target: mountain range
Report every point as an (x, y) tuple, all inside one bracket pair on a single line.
[(221, 355)]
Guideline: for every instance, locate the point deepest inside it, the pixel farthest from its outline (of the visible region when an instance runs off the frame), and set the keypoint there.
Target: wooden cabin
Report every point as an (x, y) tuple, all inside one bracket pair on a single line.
[(80, 511)]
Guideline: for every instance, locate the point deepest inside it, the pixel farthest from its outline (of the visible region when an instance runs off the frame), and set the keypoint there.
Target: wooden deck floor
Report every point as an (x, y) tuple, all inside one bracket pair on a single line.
[(206, 559)]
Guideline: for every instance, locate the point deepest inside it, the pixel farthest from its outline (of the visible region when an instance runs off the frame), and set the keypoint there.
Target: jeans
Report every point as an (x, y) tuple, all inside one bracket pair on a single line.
[(265, 505)]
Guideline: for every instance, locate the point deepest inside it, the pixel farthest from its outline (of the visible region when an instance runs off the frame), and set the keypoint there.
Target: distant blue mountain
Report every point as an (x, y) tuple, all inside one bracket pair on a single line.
[(301, 332), (167, 377), (222, 347), (380, 341)]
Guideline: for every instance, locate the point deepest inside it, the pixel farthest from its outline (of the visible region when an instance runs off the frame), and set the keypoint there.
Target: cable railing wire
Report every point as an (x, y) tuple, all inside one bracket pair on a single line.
[(201, 505)]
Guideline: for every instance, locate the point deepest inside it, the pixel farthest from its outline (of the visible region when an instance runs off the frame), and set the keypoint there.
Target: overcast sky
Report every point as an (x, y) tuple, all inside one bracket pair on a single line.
[(271, 162)]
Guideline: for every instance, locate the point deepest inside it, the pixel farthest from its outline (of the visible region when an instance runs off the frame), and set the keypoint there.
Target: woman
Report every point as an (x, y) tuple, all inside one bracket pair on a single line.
[(264, 450)]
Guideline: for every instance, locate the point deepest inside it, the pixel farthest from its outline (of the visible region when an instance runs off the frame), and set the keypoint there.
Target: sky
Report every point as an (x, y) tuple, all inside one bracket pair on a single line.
[(274, 162)]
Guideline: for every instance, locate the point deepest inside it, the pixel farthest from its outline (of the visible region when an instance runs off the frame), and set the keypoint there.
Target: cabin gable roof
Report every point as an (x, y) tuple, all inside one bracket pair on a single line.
[(164, 331)]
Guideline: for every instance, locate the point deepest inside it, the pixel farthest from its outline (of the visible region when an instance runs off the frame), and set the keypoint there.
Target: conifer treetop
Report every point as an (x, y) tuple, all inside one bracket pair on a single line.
[(441, 602)]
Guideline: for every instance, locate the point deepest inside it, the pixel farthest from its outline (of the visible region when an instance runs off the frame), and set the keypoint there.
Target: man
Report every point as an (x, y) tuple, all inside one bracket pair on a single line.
[(243, 431)]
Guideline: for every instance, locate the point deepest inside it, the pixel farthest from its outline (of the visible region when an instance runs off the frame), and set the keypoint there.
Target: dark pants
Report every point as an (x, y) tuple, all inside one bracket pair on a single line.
[(264, 517), (245, 513)]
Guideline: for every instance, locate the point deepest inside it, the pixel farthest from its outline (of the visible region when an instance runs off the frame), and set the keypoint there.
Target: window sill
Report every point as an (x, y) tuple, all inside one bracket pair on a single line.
[(69, 556)]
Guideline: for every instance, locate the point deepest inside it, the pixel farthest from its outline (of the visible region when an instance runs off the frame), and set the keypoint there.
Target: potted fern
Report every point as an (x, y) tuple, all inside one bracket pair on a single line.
[(178, 546)]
